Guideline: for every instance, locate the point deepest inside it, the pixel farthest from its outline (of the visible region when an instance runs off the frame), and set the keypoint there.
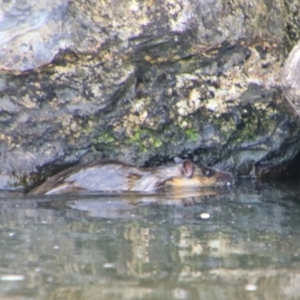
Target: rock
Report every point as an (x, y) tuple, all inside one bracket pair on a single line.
[(31, 34), (143, 83), (290, 78)]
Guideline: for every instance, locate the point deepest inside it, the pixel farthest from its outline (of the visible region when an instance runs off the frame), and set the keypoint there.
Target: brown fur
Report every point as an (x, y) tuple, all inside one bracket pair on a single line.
[(112, 176)]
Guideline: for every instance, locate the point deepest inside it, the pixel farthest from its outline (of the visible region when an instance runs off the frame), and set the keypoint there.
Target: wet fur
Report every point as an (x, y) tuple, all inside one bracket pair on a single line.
[(115, 176)]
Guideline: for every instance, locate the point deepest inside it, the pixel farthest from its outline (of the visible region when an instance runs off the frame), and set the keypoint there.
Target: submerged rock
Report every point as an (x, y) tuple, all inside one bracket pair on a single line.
[(143, 83)]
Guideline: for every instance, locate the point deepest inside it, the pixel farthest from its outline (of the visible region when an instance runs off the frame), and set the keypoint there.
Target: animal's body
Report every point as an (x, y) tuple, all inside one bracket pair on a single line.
[(114, 176)]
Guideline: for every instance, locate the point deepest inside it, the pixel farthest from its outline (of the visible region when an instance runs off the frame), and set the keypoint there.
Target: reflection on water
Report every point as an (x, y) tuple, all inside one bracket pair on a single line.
[(238, 244)]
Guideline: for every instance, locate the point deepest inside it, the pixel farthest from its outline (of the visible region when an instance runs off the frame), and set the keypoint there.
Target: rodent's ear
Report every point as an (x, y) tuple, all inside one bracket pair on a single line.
[(187, 168)]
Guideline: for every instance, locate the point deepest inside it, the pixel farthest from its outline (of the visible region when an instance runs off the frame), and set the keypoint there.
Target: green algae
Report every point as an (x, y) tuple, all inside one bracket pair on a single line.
[(104, 138), (191, 134)]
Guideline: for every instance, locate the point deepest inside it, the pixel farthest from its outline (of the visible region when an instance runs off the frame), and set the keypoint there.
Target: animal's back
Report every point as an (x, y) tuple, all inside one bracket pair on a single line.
[(96, 176)]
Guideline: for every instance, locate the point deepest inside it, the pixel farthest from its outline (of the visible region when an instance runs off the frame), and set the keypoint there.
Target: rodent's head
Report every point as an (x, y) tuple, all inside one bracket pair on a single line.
[(200, 175)]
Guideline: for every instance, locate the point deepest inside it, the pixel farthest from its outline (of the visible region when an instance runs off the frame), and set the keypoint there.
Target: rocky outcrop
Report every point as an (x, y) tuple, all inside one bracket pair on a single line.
[(144, 82), (291, 78), (276, 163)]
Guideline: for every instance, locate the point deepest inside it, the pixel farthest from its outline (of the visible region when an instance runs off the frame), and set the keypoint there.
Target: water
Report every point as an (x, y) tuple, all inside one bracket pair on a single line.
[(242, 243)]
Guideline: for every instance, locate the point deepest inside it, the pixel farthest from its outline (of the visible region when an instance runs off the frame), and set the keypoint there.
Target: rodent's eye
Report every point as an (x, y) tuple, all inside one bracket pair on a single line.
[(207, 173)]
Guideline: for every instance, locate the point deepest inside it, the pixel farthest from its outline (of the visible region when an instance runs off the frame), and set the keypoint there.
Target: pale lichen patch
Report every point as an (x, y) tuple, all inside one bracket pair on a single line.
[(27, 101)]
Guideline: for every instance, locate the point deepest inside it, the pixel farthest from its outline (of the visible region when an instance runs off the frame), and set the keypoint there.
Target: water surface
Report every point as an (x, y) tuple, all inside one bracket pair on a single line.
[(242, 243)]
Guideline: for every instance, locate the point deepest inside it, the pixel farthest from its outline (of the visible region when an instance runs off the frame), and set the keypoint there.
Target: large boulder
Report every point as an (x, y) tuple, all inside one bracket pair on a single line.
[(290, 78), (144, 82)]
